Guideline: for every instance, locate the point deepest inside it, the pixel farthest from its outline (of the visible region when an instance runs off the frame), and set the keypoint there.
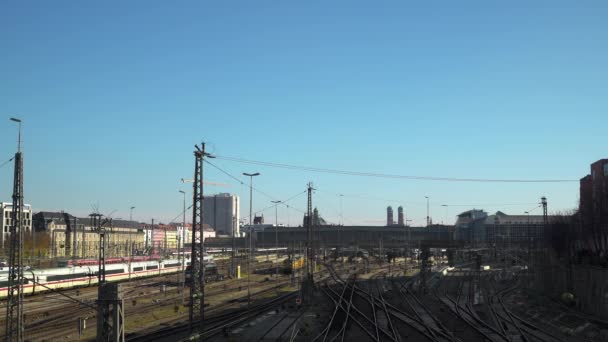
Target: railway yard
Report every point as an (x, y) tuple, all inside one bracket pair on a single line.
[(368, 300)]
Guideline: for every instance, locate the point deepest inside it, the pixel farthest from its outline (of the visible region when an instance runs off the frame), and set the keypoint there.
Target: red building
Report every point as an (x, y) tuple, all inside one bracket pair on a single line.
[(593, 206)]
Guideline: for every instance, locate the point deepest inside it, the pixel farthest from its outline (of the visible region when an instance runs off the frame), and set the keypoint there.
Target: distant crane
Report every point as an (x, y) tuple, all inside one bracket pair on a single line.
[(205, 182)]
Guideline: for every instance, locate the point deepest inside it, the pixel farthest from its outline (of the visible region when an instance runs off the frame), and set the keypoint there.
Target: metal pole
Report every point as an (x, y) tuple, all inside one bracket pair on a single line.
[(182, 239), (152, 237), (232, 251), (250, 175), (250, 243), (341, 211), (276, 237), (427, 211)]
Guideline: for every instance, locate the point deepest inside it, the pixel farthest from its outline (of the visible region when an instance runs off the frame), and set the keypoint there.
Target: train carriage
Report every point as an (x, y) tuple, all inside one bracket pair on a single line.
[(84, 273)]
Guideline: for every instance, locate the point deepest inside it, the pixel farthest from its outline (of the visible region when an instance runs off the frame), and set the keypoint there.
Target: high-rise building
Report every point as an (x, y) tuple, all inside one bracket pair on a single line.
[(222, 212), (400, 220)]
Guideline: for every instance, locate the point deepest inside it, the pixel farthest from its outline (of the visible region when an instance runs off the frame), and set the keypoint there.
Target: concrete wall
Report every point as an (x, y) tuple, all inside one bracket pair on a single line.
[(588, 284)]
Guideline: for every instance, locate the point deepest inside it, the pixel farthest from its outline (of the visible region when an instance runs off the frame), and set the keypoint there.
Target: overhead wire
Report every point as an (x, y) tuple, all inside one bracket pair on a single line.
[(253, 187), (284, 203), (6, 162), (238, 180), (392, 176), (333, 208)]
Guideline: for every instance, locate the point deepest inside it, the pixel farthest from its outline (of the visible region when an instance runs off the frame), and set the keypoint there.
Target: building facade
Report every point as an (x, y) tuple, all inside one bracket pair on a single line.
[(6, 216), (593, 205), (167, 238), (469, 225), (222, 212), (594, 194), (69, 236), (477, 226), (501, 228)]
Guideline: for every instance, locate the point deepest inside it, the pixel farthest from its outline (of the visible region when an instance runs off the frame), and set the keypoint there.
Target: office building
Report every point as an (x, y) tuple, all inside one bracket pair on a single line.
[(6, 211), (222, 212)]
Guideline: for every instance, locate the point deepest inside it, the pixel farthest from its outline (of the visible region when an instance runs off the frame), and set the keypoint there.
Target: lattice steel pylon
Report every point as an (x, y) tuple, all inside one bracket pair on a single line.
[(110, 305), (14, 321), (197, 267), (308, 285)]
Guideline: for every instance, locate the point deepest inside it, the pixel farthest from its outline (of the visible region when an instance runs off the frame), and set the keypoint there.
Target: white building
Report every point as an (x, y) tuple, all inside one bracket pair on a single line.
[(6, 210), (222, 212)]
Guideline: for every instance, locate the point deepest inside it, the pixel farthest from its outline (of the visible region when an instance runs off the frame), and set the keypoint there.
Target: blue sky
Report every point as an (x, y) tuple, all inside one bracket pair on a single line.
[(114, 95)]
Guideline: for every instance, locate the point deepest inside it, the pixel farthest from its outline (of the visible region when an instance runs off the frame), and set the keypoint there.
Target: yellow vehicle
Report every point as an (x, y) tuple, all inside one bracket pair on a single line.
[(292, 264)]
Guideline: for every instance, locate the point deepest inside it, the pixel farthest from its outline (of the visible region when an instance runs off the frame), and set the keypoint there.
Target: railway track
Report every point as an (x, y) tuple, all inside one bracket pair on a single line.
[(215, 324), (362, 312), (513, 326), (366, 311)]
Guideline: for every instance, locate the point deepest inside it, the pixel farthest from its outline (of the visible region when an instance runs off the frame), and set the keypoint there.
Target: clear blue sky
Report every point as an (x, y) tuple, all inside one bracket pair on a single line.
[(114, 95)]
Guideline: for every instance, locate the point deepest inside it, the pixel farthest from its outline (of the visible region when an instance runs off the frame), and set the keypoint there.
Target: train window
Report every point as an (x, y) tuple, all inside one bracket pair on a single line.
[(3, 283), (135, 269), (65, 276), (120, 270), (172, 265), (152, 267)]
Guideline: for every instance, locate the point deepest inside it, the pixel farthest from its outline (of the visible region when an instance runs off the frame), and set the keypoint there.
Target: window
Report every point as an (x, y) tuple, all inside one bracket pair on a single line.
[(606, 169), (66, 276)]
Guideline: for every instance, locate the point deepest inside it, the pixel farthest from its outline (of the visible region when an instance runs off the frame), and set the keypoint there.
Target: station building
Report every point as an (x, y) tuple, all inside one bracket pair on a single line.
[(71, 236), (477, 227)]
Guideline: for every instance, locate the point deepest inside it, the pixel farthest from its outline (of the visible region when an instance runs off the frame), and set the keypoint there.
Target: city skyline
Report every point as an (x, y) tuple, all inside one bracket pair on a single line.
[(113, 98)]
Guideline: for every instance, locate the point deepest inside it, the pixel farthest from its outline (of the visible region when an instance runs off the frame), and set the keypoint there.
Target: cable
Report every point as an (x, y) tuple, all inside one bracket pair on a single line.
[(383, 175), (254, 188), (418, 204), (339, 215), (478, 205), (282, 202), (182, 213), (238, 180), (6, 162)]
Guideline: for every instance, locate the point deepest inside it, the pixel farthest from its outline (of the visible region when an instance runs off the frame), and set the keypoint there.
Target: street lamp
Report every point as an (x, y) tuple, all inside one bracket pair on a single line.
[(19, 141), (427, 211), (180, 242), (446, 212), (250, 175), (341, 210), (130, 246)]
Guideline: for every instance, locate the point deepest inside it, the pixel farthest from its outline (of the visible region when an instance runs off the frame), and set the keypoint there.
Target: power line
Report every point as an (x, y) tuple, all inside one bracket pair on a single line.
[(391, 176), (326, 200), (238, 180), (6, 162), (254, 188), (285, 203), (402, 202), (182, 213), (478, 205)]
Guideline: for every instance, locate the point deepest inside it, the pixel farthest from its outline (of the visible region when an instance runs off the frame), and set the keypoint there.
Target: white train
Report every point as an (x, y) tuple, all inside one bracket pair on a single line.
[(42, 280)]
